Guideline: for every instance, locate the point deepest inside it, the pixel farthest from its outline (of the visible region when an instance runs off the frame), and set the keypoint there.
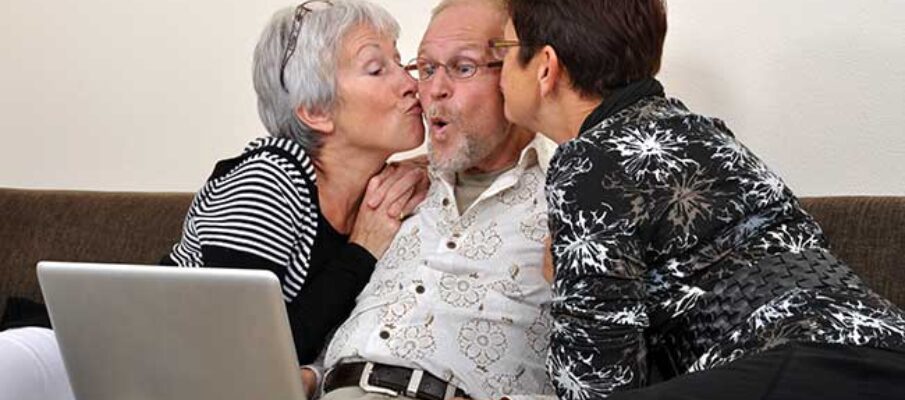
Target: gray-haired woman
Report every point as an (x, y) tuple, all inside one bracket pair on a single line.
[(315, 201)]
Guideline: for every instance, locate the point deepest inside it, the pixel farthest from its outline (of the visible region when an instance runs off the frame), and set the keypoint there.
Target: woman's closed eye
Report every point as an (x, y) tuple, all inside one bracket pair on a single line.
[(375, 68), (378, 68)]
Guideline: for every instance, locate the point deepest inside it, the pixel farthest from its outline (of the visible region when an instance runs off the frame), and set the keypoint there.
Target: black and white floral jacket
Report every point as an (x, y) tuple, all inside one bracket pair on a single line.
[(651, 209)]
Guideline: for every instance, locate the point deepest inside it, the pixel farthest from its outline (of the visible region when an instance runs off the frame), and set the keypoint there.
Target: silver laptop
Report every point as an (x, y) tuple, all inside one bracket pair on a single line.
[(163, 333)]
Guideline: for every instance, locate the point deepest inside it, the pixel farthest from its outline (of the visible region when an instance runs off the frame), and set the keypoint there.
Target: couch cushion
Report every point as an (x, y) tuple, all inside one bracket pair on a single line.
[(866, 232), (869, 234), (82, 226)]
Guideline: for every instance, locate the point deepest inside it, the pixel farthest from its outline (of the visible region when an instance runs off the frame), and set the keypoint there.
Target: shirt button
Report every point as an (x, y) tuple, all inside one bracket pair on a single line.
[(451, 245), (384, 335), (419, 289), (445, 202)]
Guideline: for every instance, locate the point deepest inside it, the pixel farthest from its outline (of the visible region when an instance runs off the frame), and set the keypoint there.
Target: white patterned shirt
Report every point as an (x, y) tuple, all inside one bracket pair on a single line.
[(462, 296)]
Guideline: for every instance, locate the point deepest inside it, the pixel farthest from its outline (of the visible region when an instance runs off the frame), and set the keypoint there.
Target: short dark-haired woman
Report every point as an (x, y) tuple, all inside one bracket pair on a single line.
[(674, 245)]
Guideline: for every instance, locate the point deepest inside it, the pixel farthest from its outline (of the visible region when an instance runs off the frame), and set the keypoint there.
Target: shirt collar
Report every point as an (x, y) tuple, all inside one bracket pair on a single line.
[(539, 151)]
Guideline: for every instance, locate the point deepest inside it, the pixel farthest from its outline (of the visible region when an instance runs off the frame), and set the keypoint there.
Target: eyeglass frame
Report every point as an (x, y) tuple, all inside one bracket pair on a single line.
[(300, 11), (413, 66), (505, 44)]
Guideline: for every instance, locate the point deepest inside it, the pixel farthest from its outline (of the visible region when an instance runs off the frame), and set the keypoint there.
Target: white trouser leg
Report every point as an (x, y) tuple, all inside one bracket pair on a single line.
[(31, 367)]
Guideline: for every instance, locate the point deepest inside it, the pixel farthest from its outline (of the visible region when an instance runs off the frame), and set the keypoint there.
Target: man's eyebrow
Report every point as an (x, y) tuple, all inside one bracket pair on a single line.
[(463, 48)]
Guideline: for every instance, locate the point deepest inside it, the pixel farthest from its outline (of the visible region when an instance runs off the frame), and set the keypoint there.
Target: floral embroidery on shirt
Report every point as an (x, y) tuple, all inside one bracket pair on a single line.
[(340, 339), (385, 286), (539, 332), (405, 248), (413, 342), (523, 191), (534, 228), (450, 222), (503, 383), (483, 342), (507, 288), (392, 312), (462, 291), (482, 244)]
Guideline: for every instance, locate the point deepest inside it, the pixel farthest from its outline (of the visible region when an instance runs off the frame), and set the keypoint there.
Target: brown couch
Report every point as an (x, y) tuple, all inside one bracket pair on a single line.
[(867, 232)]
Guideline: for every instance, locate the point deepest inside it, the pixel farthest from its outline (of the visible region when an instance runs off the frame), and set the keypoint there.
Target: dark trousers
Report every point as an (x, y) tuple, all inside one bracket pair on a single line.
[(791, 371)]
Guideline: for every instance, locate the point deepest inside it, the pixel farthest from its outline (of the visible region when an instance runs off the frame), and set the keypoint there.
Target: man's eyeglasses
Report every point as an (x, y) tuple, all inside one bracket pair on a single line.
[(300, 13), (457, 69)]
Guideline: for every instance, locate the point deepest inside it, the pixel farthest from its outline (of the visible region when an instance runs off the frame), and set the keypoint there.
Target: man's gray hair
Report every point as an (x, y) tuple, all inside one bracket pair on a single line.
[(500, 5), (310, 74)]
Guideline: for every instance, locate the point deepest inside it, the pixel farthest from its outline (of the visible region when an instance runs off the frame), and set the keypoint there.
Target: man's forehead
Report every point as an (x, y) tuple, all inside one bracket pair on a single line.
[(452, 44), (464, 27)]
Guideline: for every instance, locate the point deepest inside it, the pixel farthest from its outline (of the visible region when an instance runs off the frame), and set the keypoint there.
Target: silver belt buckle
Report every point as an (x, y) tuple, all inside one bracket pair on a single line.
[(364, 385), (450, 391)]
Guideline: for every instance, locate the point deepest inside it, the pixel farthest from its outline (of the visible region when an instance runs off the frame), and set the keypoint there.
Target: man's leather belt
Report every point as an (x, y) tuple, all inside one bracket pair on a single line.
[(391, 381)]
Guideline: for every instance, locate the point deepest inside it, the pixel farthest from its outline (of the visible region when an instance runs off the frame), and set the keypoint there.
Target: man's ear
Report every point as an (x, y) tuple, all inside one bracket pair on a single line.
[(317, 120), (549, 70)]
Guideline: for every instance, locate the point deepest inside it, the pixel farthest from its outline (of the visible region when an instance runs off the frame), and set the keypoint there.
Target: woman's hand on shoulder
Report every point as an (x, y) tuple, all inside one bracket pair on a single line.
[(390, 197), (402, 185)]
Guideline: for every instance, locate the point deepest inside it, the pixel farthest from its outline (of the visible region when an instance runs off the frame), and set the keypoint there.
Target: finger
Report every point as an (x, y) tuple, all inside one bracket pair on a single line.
[(396, 208), (413, 202), (385, 177), (425, 183), (403, 187), (371, 190), (388, 177), (420, 193)]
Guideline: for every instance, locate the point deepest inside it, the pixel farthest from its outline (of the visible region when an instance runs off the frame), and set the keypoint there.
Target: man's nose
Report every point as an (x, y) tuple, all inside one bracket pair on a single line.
[(440, 87)]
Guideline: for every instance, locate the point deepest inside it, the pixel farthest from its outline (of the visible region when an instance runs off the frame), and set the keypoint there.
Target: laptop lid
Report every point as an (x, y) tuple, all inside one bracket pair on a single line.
[(148, 332)]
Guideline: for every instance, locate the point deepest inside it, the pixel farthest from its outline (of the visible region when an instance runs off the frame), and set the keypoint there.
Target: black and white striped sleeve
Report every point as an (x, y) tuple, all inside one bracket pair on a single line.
[(259, 215)]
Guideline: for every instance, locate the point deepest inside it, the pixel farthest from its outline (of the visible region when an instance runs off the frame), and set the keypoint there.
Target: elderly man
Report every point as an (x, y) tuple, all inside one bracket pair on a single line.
[(458, 306)]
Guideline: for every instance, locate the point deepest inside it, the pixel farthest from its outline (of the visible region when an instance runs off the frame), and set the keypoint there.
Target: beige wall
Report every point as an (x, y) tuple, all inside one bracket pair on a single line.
[(147, 95)]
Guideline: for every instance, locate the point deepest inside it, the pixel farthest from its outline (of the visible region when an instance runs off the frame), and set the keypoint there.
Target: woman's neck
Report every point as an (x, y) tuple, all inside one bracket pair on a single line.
[(342, 176), (569, 113)]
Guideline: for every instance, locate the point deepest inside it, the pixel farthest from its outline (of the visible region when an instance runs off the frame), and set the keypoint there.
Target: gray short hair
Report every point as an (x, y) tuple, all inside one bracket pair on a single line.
[(310, 74), (499, 5)]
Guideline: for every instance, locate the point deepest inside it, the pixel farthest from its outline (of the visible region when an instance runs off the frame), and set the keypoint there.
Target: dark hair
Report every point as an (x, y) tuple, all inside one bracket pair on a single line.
[(602, 44)]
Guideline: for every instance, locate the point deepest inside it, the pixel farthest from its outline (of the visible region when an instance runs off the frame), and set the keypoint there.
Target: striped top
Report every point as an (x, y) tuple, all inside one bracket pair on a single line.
[(260, 210), (260, 204)]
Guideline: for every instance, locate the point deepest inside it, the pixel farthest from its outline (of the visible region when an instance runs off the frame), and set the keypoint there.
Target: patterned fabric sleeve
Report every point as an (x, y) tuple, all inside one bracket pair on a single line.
[(597, 344), (257, 213)]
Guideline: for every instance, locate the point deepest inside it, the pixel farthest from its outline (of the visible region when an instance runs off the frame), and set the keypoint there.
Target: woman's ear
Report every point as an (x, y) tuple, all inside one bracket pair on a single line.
[(317, 120), (549, 70)]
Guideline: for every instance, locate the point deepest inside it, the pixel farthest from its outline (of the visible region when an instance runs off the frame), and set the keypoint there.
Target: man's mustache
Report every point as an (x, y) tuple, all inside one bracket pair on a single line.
[(439, 112)]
